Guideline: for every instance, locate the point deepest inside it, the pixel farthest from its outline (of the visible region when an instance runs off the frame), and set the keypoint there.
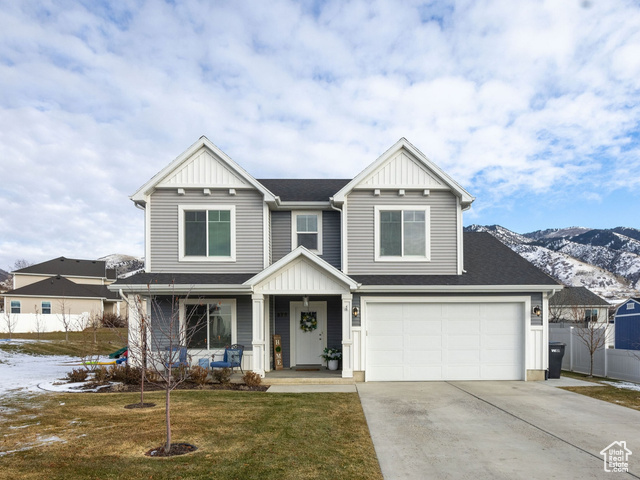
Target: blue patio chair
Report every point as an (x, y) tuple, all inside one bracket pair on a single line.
[(171, 356), (232, 358)]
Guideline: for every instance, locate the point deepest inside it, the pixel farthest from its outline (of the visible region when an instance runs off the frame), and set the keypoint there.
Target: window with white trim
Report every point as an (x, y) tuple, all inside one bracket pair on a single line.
[(46, 308), (402, 233), (591, 315), (15, 306), (210, 324), (631, 306), (306, 230), (207, 233)]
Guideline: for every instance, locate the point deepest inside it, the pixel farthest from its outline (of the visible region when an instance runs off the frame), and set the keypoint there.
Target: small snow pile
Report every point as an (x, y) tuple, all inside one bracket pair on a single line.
[(625, 385)]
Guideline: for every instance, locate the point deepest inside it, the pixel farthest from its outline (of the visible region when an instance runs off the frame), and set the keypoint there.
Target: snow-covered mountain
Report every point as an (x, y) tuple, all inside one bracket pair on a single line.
[(125, 265), (607, 262)]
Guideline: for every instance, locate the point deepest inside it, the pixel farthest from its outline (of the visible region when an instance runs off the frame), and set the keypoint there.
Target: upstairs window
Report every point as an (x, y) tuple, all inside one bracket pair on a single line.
[(15, 306), (306, 230), (207, 234), (402, 233), (631, 306), (46, 308), (591, 315)]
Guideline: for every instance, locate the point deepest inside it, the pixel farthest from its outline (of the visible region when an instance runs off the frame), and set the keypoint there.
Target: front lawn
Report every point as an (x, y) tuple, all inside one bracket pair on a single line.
[(605, 392), (239, 435), (80, 344)]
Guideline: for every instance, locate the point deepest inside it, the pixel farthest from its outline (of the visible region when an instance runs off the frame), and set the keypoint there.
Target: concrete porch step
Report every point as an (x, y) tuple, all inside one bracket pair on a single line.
[(308, 380)]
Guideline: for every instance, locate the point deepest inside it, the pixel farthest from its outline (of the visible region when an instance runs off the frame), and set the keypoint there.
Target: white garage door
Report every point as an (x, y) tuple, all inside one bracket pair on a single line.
[(444, 341)]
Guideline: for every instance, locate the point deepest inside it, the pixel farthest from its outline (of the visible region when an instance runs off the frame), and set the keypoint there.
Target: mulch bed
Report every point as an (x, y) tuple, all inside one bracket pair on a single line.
[(140, 405), (153, 387), (176, 449)]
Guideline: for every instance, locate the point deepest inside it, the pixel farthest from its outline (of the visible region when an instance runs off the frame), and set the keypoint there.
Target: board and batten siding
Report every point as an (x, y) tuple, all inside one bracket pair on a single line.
[(281, 236), (442, 230), (164, 231)]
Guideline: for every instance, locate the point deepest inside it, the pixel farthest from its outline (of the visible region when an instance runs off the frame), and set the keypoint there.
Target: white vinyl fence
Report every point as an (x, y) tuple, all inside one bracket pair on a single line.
[(32, 323), (607, 362)]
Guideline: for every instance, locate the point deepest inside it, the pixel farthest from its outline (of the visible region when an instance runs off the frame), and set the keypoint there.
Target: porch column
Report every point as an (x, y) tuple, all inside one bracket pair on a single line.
[(347, 338), (258, 342)]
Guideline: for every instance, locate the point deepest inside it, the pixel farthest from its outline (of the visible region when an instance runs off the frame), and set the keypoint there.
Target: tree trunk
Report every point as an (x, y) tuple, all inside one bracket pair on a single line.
[(142, 385), (167, 447)]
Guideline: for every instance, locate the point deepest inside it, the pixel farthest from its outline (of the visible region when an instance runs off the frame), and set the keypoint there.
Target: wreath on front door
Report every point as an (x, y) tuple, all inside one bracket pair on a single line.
[(308, 321)]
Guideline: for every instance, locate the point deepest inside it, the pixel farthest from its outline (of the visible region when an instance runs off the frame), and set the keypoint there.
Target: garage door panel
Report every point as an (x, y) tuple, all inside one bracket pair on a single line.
[(444, 341)]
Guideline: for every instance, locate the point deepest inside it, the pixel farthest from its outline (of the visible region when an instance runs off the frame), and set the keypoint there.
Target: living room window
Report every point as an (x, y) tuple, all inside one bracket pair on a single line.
[(306, 230), (15, 306), (46, 308), (402, 233), (207, 233), (210, 324)]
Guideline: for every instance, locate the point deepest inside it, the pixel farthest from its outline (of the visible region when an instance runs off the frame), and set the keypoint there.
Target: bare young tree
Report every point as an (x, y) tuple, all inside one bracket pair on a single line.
[(39, 323), (9, 321), (592, 334), (65, 317), (555, 313)]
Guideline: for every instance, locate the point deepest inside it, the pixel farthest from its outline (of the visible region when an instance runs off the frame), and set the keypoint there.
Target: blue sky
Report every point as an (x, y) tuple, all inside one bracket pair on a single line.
[(533, 106)]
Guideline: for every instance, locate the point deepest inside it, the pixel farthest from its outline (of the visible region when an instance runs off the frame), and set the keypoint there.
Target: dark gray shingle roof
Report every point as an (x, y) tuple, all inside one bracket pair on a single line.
[(304, 190), (61, 287), (69, 267), (144, 278), (578, 296)]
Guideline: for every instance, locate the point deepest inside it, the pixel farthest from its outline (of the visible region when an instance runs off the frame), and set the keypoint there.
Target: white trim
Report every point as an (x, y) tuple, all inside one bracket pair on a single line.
[(294, 229), (147, 234), (266, 236), (345, 238), (181, 256), (291, 205), (200, 301), (458, 288), (459, 237), (192, 289), (365, 301), (402, 208), (293, 328)]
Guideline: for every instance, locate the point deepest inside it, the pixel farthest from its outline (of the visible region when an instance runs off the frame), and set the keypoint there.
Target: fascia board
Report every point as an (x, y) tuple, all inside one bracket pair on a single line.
[(465, 197), (460, 288), (184, 289), (46, 295), (291, 205), (203, 141)]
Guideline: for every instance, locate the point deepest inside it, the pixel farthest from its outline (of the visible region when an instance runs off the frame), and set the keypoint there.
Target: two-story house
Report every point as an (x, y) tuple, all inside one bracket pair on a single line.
[(377, 265), (47, 294)]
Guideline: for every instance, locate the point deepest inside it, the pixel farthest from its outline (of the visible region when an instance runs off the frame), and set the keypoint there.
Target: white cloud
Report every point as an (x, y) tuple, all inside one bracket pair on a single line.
[(511, 98)]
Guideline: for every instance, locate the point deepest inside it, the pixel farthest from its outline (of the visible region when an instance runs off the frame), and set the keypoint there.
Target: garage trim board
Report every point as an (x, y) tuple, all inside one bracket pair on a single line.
[(445, 338)]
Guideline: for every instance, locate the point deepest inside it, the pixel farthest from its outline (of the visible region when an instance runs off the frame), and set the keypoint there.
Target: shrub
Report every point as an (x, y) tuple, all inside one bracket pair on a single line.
[(252, 379), (101, 375), (77, 375), (222, 375), (125, 374), (111, 320), (199, 375)]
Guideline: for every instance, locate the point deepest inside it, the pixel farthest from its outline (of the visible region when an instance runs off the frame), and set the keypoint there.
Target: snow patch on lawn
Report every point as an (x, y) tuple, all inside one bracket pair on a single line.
[(625, 385)]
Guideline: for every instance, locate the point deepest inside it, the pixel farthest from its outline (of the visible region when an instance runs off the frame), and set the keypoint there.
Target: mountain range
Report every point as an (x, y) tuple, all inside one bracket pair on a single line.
[(606, 261)]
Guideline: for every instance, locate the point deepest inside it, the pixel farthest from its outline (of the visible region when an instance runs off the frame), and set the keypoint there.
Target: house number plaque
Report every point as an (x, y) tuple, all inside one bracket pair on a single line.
[(277, 352)]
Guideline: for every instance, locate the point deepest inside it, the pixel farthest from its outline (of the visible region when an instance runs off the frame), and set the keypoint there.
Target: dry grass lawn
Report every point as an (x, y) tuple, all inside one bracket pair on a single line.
[(239, 435), (108, 340), (608, 393)]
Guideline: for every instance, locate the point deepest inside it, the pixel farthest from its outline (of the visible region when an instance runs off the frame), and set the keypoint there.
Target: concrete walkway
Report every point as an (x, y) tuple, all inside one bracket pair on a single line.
[(494, 430)]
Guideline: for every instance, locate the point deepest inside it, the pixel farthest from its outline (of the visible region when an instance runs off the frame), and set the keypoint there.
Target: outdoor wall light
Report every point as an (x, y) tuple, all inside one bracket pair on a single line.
[(305, 301), (356, 311), (537, 311)]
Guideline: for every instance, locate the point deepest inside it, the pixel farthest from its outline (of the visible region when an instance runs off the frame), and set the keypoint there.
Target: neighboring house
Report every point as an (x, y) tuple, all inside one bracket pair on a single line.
[(627, 325), (578, 305), (377, 265), (47, 294)]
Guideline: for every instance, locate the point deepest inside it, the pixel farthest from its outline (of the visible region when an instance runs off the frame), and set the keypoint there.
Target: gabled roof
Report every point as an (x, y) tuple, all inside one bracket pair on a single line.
[(182, 166), (69, 267), (60, 287), (487, 262), (304, 190), (414, 165), (577, 296), (321, 266)]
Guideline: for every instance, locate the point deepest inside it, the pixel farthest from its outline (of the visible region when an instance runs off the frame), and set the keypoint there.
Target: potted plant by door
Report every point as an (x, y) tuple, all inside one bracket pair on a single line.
[(332, 357)]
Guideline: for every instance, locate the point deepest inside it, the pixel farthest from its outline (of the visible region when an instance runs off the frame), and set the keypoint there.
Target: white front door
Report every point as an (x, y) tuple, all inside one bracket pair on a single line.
[(308, 343)]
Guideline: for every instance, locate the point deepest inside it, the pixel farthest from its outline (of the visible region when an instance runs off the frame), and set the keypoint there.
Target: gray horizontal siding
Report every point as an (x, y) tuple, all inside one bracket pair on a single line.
[(280, 235), (164, 231), (360, 232)]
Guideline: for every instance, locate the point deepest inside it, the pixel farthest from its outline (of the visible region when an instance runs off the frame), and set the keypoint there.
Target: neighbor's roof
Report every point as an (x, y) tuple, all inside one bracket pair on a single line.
[(487, 261), (62, 287), (577, 296), (70, 267), (304, 189)]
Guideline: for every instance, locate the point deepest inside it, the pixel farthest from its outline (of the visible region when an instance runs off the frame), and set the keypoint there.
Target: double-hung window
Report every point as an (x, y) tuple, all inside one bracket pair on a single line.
[(15, 306), (210, 324), (402, 233), (306, 230), (207, 233), (591, 315), (46, 308)]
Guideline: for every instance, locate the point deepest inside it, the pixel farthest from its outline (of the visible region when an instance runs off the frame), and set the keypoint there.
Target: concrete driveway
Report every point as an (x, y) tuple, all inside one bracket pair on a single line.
[(476, 430)]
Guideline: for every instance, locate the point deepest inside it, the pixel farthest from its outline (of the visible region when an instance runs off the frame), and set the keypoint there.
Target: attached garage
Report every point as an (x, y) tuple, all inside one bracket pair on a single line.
[(420, 339)]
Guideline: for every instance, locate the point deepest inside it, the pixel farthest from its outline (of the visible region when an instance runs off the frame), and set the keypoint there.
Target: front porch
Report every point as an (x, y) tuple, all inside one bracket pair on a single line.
[(304, 376)]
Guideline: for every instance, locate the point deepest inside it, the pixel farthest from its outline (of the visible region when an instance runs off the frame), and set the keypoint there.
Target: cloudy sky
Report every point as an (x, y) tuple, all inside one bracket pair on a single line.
[(533, 106)]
